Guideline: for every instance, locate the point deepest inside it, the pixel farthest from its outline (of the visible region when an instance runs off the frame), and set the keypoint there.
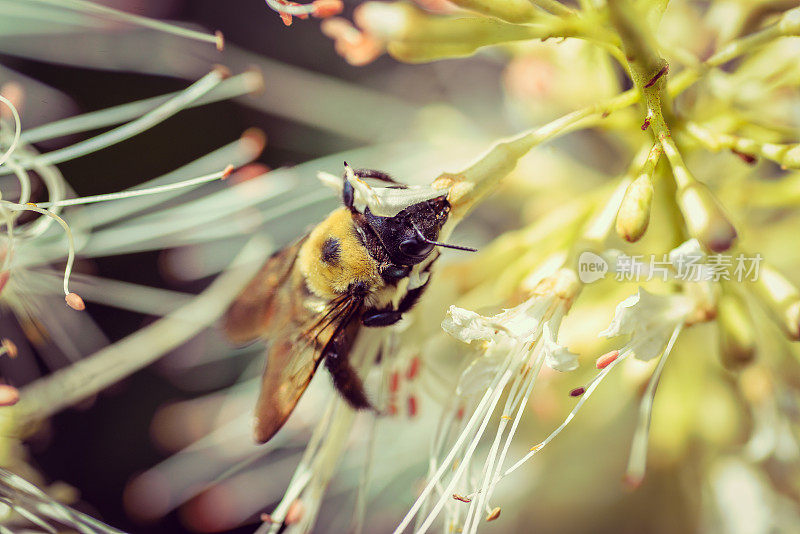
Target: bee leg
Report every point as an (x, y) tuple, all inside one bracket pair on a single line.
[(390, 316), (380, 317), (345, 379)]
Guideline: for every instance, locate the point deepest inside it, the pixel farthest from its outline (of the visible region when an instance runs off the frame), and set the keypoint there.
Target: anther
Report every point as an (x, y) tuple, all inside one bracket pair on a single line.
[(413, 368), (412, 405), (494, 514), (326, 8), (9, 347), (658, 75), (75, 302), (577, 392), (747, 158), (9, 395), (295, 512), (606, 359)]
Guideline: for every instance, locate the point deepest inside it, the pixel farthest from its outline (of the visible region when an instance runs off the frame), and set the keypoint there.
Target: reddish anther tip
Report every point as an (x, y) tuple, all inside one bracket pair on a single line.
[(632, 482), (295, 512), (15, 93), (255, 140), (75, 302), (461, 498), (223, 71), (413, 368), (3, 279), (577, 392), (494, 514), (266, 518), (658, 75), (747, 158), (606, 359), (10, 346), (227, 171), (394, 382), (250, 171), (9, 395), (327, 8), (412, 406)]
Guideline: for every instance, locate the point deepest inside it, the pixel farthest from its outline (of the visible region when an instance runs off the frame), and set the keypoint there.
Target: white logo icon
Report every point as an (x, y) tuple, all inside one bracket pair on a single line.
[(591, 267)]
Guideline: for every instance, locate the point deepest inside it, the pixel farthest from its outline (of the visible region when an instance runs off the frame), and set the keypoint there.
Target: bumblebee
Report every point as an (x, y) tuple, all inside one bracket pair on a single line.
[(354, 269)]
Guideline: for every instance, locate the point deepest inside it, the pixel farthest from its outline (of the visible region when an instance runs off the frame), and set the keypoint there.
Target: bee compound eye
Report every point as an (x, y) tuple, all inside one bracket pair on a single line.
[(415, 247)]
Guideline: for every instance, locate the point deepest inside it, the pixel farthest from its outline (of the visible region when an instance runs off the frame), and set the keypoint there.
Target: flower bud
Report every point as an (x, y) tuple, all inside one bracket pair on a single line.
[(781, 298), (790, 22), (791, 159), (737, 345), (634, 212), (704, 217)]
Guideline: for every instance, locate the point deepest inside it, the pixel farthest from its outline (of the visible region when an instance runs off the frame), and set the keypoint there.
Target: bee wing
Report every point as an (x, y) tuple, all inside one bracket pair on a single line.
[(292, 359), (262, 302), (277, 306)]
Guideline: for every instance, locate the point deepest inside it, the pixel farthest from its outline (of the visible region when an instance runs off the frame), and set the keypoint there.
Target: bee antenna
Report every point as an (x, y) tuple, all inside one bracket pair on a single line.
[(440, 244)]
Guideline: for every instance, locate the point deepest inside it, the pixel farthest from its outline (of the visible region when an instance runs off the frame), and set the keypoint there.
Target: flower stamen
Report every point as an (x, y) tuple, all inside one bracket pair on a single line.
[(637, 461), (220, 175)]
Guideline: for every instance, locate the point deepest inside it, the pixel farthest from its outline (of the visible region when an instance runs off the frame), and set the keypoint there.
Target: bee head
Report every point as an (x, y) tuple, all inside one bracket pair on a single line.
[(410, 236)]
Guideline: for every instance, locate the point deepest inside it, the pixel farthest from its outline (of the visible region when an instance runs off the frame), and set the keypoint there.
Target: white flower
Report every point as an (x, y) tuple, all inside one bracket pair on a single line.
[(467, 326), (521, 323), (650, 319)]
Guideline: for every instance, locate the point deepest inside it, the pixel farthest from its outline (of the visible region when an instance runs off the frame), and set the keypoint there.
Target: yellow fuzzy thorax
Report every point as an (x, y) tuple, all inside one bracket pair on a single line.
[(330, 279)]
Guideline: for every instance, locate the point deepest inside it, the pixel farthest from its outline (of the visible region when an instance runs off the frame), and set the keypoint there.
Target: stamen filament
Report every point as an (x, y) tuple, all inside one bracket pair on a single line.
[(235, 86), (448, 491), (115, 14), (126, 131), (140, 192), (71, 242), (590, 387), (86, 377), (473, 421), (637, 461), (290, 9), (17, 130)]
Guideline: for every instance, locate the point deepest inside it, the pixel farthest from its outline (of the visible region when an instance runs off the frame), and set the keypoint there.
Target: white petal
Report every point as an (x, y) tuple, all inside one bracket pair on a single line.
[(646, 311), (648, 344), (556, 356), (624, 319), (522, 321), (381, 201), (390, 201), (686, 251), (466, 325)]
